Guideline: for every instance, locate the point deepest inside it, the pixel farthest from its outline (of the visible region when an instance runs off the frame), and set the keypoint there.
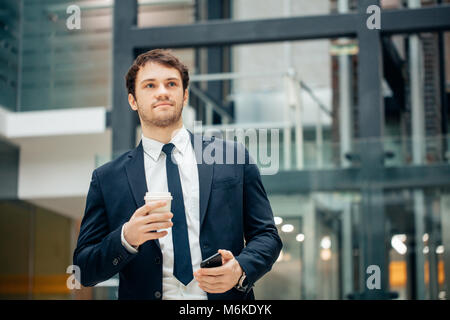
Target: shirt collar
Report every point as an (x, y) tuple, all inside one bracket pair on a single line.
[(154, 148)]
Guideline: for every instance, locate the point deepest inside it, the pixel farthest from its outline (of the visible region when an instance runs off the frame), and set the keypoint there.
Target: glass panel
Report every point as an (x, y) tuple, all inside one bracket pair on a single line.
[(418, 230), (163, 13), (9, 48), (323, 245), (319, 244), (415, 90), (399, 150), (255, 9), (65, 68)]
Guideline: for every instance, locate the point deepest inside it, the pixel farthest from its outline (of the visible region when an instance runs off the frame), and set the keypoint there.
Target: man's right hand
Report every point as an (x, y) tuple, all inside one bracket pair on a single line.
[(138, 229)]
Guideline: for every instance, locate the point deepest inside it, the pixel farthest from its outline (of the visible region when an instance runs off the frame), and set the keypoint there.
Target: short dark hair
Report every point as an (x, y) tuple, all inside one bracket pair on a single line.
[(161, 56)]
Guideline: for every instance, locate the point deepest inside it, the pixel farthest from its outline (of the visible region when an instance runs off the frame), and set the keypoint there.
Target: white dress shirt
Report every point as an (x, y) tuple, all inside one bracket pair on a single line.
[(156, 177)]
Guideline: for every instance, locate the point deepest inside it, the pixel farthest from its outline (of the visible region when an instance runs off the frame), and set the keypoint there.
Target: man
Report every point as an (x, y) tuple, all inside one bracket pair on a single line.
[(214, 207)]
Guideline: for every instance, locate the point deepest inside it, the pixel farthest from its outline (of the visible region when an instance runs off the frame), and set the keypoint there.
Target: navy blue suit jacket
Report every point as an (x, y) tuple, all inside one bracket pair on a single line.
[(235, 215)]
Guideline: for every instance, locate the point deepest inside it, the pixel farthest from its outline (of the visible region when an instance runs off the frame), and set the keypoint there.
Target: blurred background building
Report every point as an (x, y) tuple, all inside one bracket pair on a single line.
[(362, 114)]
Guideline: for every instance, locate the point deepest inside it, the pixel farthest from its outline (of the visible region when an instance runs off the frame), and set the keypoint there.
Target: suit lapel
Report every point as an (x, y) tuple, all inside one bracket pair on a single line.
[(205, 172), (136, 177)]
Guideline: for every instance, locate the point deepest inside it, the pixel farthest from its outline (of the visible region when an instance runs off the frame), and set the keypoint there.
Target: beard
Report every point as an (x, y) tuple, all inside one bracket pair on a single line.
[(163, 120)]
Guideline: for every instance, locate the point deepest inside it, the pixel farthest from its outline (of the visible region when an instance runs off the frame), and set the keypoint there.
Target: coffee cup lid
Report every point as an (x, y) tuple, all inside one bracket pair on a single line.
[(158, 195)]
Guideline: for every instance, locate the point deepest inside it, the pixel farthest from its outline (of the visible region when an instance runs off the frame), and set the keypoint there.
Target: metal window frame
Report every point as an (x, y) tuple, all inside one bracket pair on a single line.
[(128, 39)]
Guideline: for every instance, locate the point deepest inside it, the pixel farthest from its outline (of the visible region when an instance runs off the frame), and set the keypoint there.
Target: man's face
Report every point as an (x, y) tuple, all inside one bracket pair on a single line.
[(159, 95)]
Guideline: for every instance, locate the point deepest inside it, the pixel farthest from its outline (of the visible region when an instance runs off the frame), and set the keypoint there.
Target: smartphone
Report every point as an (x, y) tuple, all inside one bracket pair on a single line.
[(212, 262)]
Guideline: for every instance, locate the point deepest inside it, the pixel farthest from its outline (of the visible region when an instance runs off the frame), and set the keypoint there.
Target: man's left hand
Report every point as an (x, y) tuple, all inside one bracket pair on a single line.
[(220, 279)]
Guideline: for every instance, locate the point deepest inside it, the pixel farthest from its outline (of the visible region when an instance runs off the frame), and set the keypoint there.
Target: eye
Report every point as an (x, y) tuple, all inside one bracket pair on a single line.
[(150, 85), (172, 84)]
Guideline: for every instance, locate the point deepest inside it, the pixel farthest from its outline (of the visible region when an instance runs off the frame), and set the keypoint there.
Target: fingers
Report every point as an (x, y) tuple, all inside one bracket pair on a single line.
[(155, 235), (156, 226), (210, 283), (219, 279), (213, 284), (226, 255), (210, 280), (156, 217), (217, 271), (146, 208)]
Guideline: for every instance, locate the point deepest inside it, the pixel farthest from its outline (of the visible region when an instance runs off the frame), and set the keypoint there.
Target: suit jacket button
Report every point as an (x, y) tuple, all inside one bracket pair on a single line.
[(157, 260), (115, 261), (157, 294)]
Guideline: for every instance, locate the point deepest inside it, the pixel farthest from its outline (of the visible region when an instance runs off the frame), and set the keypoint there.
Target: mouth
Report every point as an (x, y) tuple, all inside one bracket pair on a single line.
[(162, 105)]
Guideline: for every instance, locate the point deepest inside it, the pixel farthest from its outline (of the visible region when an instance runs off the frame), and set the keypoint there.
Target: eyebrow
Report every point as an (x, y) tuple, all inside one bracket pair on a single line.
[(146, 80)]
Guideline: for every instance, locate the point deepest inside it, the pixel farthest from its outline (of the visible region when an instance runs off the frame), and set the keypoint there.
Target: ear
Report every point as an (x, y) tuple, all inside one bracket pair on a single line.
[(132, 102), (185, 96)]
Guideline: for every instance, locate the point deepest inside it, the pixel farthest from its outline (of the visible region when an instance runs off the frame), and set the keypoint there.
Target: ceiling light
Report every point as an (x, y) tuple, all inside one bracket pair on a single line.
[(398, 244), (325, 242), (278, 220), (287, 228)]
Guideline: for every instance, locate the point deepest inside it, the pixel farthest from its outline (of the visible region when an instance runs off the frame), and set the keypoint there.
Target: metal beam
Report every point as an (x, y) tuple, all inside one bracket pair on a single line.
[(371, 124), (351, 179), (286, 29), (443, 90), (216, 56), (428, 19), (123, 120), (294, 181), (243, 32)]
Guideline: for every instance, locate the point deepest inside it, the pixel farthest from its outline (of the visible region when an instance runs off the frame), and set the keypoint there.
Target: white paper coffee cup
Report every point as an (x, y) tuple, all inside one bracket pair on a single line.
[(159, 196)]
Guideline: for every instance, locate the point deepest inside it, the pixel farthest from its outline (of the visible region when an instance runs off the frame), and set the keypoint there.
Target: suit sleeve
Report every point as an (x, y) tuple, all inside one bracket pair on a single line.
[(99, 253), (263, 244)]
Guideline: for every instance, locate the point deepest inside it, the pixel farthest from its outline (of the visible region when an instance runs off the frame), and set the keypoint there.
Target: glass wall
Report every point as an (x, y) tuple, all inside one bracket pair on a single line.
[(65, 65), (321, 257), (65, 52)]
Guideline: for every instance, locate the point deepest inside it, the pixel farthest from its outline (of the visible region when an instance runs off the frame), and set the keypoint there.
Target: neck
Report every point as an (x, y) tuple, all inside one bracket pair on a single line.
[(161, 134)]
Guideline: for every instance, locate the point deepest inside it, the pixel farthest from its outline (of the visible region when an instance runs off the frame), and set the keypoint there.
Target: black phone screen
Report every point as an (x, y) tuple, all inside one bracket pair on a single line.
[(212, 262)]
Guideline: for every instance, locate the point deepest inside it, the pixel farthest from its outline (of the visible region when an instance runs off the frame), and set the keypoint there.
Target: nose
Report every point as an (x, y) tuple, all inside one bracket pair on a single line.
[(162, 92)]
